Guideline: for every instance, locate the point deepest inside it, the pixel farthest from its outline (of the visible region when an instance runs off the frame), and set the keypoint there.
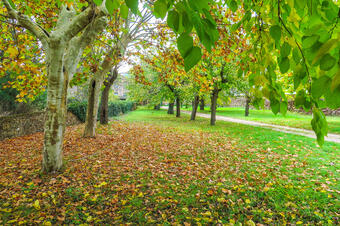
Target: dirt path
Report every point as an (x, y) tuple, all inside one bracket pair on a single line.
[(285, 129)]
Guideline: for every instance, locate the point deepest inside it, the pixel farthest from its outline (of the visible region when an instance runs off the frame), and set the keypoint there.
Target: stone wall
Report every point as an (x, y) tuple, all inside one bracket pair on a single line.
[(237, 102), (24, 124)]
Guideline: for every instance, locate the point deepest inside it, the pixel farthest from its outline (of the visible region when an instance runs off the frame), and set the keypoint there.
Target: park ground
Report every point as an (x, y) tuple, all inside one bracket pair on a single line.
[(148, 167)]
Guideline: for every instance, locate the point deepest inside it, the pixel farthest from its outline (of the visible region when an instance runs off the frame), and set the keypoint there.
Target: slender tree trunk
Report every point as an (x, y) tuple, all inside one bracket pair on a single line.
[(214, 97), (157, 107), (202, 104), (194, 107), (171, 108), (104, 106), (246, 111), (104, 103), (92, 107), (178, 107)]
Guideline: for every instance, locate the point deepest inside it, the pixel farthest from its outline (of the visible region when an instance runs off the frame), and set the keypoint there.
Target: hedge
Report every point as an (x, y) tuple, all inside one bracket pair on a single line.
[(116, 108)]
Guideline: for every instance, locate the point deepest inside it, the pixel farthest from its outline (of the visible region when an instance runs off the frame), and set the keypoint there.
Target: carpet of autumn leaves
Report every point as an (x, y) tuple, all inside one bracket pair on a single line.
[(148, 174)]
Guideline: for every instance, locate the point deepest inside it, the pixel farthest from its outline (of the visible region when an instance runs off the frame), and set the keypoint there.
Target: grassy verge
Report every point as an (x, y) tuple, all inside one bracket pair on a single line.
[(290, 119)]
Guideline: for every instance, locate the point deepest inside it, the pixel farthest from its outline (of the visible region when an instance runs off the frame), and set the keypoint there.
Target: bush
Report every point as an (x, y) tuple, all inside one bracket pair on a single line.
[(116, 108), (78, 108)]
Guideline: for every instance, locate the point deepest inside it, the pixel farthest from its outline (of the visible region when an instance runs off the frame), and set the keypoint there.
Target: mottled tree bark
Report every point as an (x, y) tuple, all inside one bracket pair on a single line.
[(202, 104), (195, 103), (178, 107), (171, 108), (246, 110), (104, 102), (214, 97)]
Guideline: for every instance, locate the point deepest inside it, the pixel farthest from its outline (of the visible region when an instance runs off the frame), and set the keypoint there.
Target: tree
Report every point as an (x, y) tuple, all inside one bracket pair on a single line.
[(63, 48), (132, 32)]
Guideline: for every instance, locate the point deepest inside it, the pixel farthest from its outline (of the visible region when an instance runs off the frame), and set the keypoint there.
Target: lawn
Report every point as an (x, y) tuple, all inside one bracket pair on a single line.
[(290, 119), (149, 167)]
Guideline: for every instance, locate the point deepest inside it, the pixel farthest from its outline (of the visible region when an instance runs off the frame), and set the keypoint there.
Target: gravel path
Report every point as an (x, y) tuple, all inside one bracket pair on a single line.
[(285, 129)]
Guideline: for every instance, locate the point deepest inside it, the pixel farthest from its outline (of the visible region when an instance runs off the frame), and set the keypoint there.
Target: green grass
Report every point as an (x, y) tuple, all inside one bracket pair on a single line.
[(279, 177), (290, 119)]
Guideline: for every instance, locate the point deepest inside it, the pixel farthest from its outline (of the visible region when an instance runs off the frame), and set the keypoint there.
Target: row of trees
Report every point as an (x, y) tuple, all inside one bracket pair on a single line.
[(260, 40)]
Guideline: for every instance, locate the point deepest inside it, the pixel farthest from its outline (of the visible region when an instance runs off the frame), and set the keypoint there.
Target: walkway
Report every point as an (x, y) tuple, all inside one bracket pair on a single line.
[(285, 129)]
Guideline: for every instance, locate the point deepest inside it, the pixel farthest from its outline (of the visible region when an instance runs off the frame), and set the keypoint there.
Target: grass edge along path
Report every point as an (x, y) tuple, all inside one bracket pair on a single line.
[(285, 129), (291, 119)]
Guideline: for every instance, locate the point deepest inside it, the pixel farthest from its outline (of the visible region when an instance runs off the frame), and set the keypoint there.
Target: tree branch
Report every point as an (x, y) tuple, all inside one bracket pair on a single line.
[(27, 23)]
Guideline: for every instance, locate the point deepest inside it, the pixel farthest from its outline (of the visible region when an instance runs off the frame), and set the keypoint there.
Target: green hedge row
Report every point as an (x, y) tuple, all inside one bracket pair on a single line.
[(78, 108)]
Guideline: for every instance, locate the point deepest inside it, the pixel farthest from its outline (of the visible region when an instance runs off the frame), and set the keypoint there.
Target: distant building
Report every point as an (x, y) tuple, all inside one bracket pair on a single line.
[(120, 86)]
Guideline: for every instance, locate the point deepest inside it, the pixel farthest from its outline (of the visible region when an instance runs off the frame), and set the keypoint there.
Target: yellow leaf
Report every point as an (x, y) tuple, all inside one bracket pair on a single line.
[(36, 205), (250, 223), (299, 222), (47, 223), (208, 213), (89, 219), (247, 201), (13, 52)]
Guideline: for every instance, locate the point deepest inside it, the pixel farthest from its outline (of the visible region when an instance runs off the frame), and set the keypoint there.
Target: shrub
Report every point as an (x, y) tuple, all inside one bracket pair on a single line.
[(116, 108), (78, 108)]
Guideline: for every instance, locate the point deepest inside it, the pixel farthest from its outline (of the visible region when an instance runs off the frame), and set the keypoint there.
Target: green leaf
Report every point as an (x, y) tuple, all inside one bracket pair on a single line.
[(193, 58), (300, 99), (161, 8), (309, 41), (275, 32), (283, 107), (336, 80), (133, 5), (319, 125), (124, 11), (199, 5), (326, 48), (285, 50), (98, 2), (320, 86), (327, 62), (333, 98), (111, 5), (185, 44), (284, 65), (233, 5), (300, 4), (186, 22), (173, 20), (275, 105), (296, 55)]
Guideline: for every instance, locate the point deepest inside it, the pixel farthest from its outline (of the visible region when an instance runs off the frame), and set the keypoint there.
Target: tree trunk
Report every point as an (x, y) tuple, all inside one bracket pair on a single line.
[(56, 110), (194, 107), (246, 111), (178, 107), (104, 102), (171, 108), (92, 107), (214, 97), (157, 107), (202, 104)]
